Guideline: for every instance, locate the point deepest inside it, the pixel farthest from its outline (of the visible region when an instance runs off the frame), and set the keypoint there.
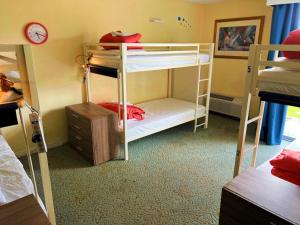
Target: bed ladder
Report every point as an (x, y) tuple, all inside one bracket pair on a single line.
[(206, 95), (245, 121)]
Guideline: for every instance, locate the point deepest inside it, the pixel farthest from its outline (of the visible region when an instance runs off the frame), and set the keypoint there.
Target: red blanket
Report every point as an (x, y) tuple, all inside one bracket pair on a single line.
[(291, 177), (288, 161), (133, 112)]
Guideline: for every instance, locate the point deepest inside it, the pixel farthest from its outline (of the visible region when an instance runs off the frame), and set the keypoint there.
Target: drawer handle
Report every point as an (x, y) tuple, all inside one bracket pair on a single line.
[(76, 127), (75, 116), (272, 223), (78, 137), (79, 148)]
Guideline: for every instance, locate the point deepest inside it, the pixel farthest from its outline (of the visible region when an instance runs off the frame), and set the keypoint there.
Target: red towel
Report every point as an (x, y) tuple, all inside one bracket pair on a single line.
[(291, 177), (287, 160), (133, 112)]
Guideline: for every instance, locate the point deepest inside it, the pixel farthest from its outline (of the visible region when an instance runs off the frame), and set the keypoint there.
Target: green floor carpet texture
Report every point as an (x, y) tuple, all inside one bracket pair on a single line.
[(173, 177)]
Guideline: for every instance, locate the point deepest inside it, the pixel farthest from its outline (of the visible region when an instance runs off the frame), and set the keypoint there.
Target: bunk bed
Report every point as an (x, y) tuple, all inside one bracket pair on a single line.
[(16, 64), (161, 114), (276, 81)]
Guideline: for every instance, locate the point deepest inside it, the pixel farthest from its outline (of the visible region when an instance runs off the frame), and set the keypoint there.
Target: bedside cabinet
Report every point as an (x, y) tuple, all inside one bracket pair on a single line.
[(259, 198), (93, 132)]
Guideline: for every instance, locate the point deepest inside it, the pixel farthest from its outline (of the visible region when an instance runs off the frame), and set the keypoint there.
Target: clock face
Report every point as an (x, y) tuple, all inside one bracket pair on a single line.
[(36, 33)]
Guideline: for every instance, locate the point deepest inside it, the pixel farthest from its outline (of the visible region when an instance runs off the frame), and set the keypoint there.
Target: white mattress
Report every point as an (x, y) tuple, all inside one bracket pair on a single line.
[(14, 182), (162, 114), (152, 62), (280, 80)]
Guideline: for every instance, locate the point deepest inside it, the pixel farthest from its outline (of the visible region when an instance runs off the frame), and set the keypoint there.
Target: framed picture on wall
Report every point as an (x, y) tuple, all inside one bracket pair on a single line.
[(233, 37)]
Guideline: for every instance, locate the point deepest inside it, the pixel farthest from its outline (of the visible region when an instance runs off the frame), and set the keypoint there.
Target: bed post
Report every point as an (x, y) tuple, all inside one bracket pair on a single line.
[(87, 71), (43, 158), (197, 98), (45, 174), (245, 112), (170, 80), (119, 96), (211, 61), (87, 83), (258, 130), (124, 96)]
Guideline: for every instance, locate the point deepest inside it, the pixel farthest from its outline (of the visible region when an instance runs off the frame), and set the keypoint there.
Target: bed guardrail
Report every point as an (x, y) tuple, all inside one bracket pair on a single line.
[(258, 60)]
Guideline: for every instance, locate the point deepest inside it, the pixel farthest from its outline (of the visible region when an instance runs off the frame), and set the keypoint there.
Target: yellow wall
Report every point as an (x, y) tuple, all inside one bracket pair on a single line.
[(229, 74), (71, 23)]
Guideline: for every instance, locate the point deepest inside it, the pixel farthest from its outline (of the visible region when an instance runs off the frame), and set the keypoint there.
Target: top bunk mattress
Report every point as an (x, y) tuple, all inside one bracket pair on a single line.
[(137, 63), (162, 114), (280, 80), (14, 182)]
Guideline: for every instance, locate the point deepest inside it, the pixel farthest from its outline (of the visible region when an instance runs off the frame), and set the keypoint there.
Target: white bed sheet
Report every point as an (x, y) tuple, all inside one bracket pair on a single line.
[(162, 114), (14, 182), (144, 62), (279, 80)]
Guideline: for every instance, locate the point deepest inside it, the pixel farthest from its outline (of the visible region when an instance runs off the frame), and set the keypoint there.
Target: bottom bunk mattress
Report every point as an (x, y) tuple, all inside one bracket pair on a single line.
[(162, 114), (14, 181)]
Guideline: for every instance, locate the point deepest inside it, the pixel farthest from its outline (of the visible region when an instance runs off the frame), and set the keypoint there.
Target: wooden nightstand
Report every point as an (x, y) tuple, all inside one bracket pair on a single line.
[(24, 211), (259, 198), (93, 132)]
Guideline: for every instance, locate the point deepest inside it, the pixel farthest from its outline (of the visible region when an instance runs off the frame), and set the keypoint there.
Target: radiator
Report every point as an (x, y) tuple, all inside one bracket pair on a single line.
[(230, 106)]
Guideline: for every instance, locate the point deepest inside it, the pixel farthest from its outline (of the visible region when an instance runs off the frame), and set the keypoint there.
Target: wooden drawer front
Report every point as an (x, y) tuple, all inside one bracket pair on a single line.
[(81, 145), (238, 211), (80, 125)]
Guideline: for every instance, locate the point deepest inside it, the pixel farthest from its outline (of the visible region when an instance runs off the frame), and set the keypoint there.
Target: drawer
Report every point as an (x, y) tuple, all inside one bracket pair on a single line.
[(79, 125), (77, 136), (82, 146), (77, 119), (81, 130)]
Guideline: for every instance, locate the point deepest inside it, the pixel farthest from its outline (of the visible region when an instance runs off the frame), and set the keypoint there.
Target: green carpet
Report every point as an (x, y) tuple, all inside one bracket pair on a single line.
[(173, 177)]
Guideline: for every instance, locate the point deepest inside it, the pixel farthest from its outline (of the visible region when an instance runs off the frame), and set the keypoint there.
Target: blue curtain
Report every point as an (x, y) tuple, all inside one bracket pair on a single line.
[(285, 19)]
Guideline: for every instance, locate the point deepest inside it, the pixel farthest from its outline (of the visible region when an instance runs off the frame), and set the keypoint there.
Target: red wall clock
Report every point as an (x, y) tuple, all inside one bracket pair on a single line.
[(36, 33)]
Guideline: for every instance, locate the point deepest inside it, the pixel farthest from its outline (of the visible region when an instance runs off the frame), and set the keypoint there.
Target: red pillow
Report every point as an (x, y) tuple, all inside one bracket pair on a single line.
[(288, 161), (292, 39), (290, 177), (133, 112), (110, 38)]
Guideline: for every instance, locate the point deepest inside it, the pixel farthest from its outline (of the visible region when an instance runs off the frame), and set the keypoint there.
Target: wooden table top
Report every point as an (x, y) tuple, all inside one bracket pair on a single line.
[(24, 211), (268, 192)]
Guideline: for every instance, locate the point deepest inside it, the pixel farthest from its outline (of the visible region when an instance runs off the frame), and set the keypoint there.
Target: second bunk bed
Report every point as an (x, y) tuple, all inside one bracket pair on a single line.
[(163, 113), (276, 81), (17, 69)]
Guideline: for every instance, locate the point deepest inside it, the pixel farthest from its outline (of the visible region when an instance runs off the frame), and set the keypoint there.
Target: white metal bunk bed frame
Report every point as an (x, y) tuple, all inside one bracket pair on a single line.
[(255, 62), (23, 63), (168, 49)]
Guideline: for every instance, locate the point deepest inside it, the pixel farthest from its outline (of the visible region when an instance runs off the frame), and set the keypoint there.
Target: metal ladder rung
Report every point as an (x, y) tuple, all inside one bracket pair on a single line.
[(200, 125), (200, 96)]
